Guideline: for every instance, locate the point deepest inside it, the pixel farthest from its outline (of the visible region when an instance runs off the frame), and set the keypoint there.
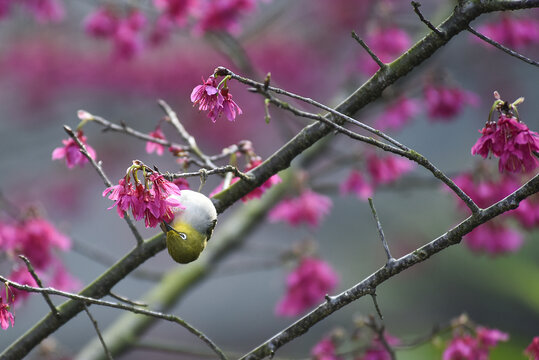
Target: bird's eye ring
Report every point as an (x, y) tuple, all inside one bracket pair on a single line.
[(183, 235)]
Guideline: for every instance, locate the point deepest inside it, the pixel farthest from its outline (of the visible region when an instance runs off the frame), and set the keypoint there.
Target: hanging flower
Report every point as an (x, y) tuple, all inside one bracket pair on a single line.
[(71, 151), (153, 146)]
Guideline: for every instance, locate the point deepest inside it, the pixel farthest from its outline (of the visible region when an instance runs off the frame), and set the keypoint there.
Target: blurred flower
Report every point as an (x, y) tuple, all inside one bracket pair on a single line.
[(5, 316), (355, 183), (101, 23), (175, 11), (228, 107), (8, 236), (387, 43), (490, 337), (221, 15), (23, 277), (397, 114), (377, 350), (494, 239), (207, 95), (533, 349), (46, 10), (161, 30), (306, 285), (152, 146), (309, 208), (466, 347), (511, 141), (444, 103), (385, 170), (71, 151), (512, 31), (36, 239), (62, 279), (5, 8), (127, 41), (324, 350), (181, 183)]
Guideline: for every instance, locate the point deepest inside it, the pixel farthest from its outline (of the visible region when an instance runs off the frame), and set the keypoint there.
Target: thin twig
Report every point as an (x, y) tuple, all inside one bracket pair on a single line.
[(380, 331), (416, 6), (368, 50), (32, 272), (501, 47), (203, 172), (94, 322), (88, 300), (106, 180), (390, 258), (375, 301), (262, 89), (189, 139), (126, 300)]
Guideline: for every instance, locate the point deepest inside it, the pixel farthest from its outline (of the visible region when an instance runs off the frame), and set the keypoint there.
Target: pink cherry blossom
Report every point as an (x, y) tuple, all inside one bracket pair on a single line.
[(445, 103), (377, 351), (397, 114), (127, 41), (464, 348), (153, 204), (61, 279), (152, 146), (222, 15), (8, 236), (493, 239), (309, 208), (5, 316), (490, 337), (533, 349), (306, 285), (175, 11), (324, 350), (356, 184), (161, 30), (512, 142), (101, 23), (46, 10), (207, 96), (23, 277), (228, 107), (385, 170), (511, 31), (71, 151), (387, 43), (181, 183)]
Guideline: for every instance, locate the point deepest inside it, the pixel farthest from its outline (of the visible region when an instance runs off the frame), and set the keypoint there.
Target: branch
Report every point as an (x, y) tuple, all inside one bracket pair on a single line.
[(390, 258), (84, 300), (365, 287), (501, 47), (368, 50), (94, 322), (416, 6), (53, 308)]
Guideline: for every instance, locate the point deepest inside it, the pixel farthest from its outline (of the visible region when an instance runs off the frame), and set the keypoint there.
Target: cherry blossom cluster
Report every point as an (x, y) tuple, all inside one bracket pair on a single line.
[(382, 170), (6, 317), (476, 346), (43, 10), (153, 199), (306, 286), (508, 139), (215, 99), (367, 345), (38, 240), (71, 151), (533, 349), (309, 208), (125, 29), (153, 146), (511, 31), (496, 237)]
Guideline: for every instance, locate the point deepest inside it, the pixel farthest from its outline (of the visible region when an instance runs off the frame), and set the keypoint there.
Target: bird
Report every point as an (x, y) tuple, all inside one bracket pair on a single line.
[(191, 228)]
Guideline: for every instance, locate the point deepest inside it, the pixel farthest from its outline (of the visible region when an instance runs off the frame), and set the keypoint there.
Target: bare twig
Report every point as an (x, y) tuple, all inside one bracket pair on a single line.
[(380, 332), (390, 258), (501, 47), (203, 172), (376, 306), (106, 180), (416, 6), (30, 268), (369, 51), (126, 300), (94, 322), (88, 300), (190, 140)]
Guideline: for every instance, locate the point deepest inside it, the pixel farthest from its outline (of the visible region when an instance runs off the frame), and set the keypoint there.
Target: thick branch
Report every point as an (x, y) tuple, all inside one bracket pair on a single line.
[(365, 287)]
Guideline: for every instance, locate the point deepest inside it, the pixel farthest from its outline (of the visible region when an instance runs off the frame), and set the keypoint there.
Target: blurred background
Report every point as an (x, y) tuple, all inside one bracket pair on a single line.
[(50, 69)]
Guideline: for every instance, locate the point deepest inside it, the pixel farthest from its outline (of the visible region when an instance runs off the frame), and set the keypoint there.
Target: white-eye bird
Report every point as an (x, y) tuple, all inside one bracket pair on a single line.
[(191, 228)]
